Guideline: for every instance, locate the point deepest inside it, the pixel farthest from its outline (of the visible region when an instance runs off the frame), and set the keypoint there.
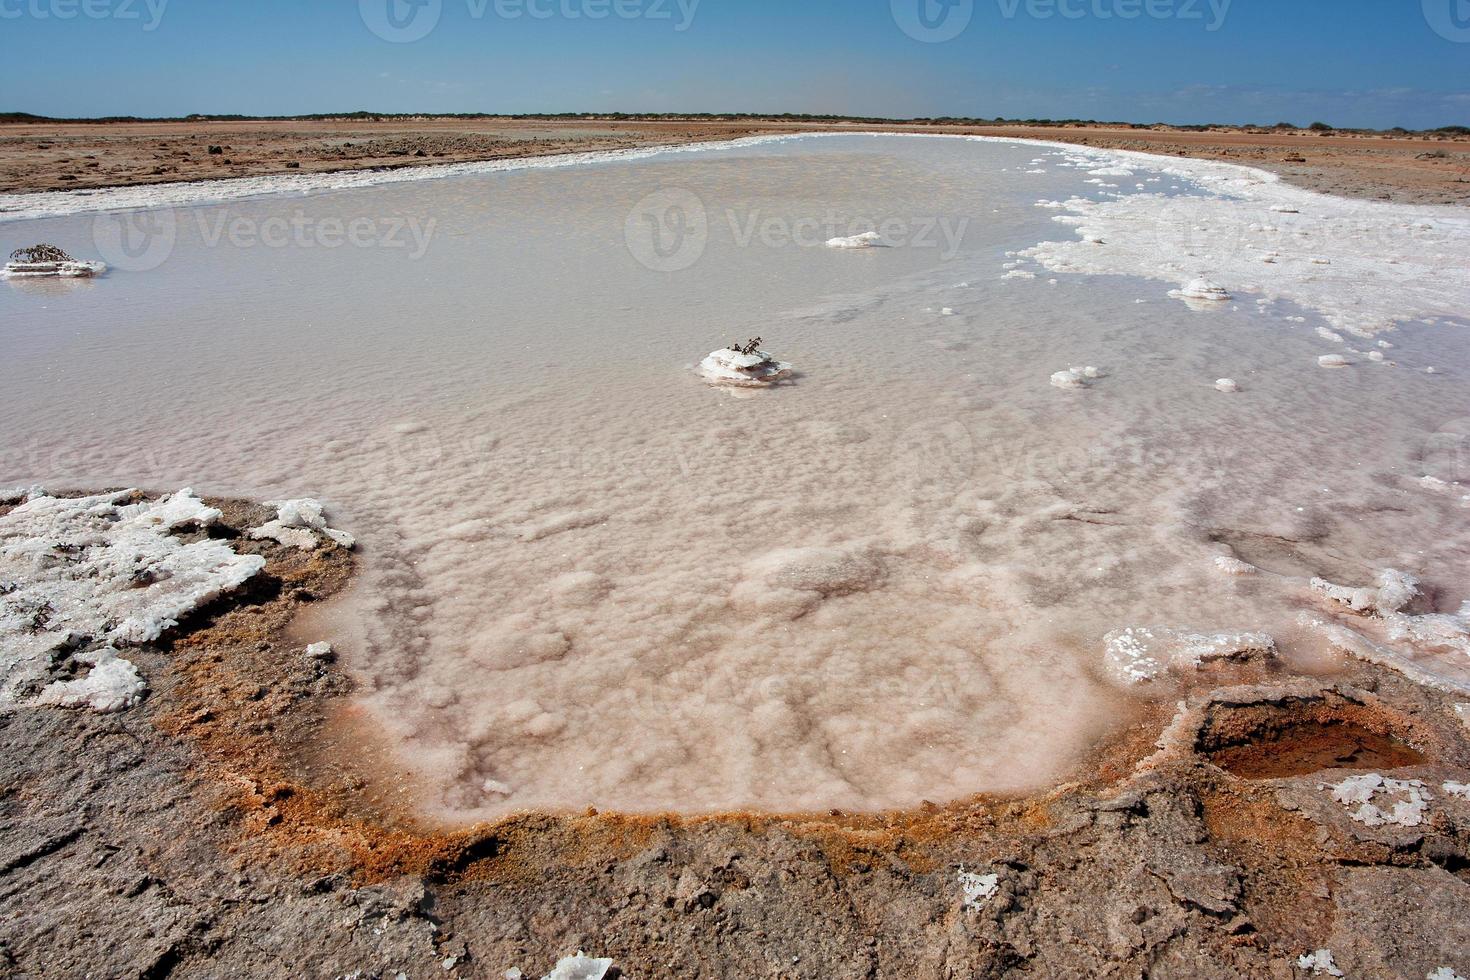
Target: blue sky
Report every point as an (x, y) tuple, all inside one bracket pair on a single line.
[(1347, 62)]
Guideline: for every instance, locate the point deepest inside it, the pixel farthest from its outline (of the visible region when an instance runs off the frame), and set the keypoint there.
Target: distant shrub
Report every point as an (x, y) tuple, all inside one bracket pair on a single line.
[(1320, 127)]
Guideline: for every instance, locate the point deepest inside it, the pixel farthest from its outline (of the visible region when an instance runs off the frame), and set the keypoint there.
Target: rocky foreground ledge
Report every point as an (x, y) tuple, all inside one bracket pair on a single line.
[(162, 820)]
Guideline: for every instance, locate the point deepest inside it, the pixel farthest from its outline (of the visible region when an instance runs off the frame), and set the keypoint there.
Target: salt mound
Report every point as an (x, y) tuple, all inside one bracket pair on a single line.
[(1141, 654), (297, 524), (1076, 377), (756, 369), (1202, 289), (793, 581), (1227, 385), (868, 239), (1394, 591), (97, 572)]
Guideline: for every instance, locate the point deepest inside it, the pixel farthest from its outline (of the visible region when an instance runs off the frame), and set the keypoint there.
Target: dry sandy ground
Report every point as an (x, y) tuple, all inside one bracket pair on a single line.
[(199, 835), (54, 156)]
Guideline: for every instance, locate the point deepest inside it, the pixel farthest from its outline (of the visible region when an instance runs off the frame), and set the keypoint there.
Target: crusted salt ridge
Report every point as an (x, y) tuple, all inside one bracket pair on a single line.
[(1140, 654), (1394, 590), (1431, 649), (101, 571), (756, 370)]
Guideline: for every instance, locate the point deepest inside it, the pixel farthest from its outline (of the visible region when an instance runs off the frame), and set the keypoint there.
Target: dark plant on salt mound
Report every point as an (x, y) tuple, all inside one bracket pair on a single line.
[(40, 253), (751, 346)]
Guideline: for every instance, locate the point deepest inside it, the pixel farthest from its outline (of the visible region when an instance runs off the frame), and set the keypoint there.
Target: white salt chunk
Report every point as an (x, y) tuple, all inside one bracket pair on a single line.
[(1234, 566), (297, 524), (978, 889), (1332, 361), (1202, 289), (112, 685), (869, 239), (1076, 377), (579, 967), (755, 370), (1319, 963), (1227, 385), (1458, 789), (1378, 801)]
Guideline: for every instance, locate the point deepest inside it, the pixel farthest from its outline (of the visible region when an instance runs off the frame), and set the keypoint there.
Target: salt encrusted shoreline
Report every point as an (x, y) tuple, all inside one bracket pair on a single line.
[(191, 833)]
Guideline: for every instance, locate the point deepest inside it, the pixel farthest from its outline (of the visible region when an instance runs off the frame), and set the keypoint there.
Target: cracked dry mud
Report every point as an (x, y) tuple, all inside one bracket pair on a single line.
[(199, 835)]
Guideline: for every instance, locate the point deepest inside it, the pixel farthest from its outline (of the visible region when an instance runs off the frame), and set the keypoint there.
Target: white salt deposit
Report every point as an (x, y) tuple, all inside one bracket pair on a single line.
[(1076, 377), (1392, 592), (1227, 385), (580, 967), (978, 889), (1458, 789), (1319, 963), (758, 369), (1203, 289), (868, 239), (101, 571), (1444, 973), (1144, 653), (298, 524), (1234, 566), (1333, 361), (1378, 801), (112, 684)]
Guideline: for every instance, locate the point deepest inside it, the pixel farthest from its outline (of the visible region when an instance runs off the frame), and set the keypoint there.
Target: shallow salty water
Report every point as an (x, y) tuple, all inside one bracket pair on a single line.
[(591, 579)]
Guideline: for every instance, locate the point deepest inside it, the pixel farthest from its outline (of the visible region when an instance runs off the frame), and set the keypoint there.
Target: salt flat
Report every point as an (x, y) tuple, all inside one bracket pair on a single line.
[(591, 578)]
